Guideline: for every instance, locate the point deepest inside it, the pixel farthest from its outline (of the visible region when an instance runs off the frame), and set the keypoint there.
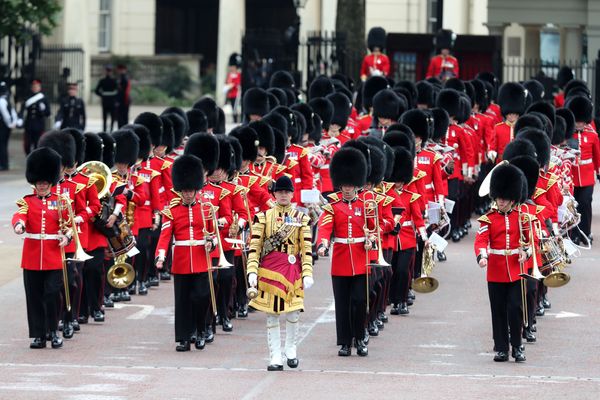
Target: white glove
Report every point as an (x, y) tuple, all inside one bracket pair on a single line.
[(307, 282), (19, 123), (57, 124), (252, 279), (78, 219), (42, 106), (492, 155)]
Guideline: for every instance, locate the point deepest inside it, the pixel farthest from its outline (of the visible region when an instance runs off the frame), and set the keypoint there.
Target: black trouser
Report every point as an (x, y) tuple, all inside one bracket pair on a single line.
[(387, 278), (31, 138), (506, 307), (532, 300), (376, 291), (75, 278), (402, 273), (4, 136), (141, 260), (42, 290), (418, 263), (191, 303), (225, 284), (234, 110), (122, 114), (454, 195), (583, 195), (350, 295), (108, 109), (241, 298), (153, 242), (93, 290)]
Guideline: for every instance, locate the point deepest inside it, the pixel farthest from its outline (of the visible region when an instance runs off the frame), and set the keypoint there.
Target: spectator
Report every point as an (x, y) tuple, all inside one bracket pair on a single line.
[(71, 113), (34, 112), (107, 90), (8, 120)]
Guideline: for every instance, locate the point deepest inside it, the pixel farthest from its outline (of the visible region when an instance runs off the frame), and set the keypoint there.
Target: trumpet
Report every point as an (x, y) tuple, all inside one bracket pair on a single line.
[(426, 283)]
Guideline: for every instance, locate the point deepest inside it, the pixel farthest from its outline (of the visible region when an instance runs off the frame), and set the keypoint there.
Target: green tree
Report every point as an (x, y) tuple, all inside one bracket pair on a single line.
[(350, 20), (23, 18)]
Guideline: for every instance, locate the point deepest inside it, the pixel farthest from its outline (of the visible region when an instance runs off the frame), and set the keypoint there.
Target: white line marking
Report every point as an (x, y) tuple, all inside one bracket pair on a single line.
[(567, 314), (146, 309)]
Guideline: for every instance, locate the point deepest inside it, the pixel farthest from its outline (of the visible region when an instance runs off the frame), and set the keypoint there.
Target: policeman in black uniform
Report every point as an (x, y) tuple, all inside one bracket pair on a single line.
[(108, 89), (34, 112), (71, 113)]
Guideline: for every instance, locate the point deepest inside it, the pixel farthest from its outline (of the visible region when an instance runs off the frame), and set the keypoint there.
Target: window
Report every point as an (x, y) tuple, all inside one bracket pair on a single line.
[(434, 17), (104, 26)]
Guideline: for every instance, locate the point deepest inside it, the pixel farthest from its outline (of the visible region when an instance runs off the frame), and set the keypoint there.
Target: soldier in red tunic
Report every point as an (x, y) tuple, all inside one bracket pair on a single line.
[(185, 226), (511, 98), (342, 227), (443, 66), (376, 63), (38, 220), (501, 248)]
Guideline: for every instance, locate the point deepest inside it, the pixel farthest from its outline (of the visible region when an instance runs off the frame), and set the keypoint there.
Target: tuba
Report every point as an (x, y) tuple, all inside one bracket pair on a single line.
[(121, 274), (101, 173), (426, 283)]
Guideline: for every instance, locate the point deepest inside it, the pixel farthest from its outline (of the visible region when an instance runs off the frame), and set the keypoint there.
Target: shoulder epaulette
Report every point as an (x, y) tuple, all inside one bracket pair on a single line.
[(139, 181), (484, 218), (238, 189), (264, 180), (387, 186), (328, 208), (414, 197), (538, 192), (79, 187), (436, 157), (175, 201), (280, 169), (388, 200), (292, 163), (539, 209), (23, 206), (166, 165), (91, 181), (224, 193), (553, 179), (154, 174), (499, 123), (304, 152), (167, 213), (421, 174), (379, 198), (334, 196), (252, 180)]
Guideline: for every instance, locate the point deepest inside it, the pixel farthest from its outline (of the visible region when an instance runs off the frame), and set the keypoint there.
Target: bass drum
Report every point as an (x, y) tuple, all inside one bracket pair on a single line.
[(123, 240)]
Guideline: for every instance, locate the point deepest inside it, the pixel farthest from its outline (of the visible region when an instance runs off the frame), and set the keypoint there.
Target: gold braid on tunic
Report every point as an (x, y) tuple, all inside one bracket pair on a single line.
[(298, 244)]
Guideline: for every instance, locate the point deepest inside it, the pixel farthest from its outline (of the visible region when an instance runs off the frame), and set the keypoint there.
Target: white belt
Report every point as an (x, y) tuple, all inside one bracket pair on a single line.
[(585, 162), (189, 242), (326, 166), (407, 223), (504, 252), (147, 203), (349, 240), (298, 180), (42, 236), (429, 186)]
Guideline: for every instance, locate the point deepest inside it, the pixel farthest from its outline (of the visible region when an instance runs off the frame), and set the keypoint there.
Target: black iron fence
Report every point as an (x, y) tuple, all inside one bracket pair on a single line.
[(59, 65)]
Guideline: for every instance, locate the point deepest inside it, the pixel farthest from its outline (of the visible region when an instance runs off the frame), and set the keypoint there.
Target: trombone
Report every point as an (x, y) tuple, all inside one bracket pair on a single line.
[(426, 283), (371, 212)]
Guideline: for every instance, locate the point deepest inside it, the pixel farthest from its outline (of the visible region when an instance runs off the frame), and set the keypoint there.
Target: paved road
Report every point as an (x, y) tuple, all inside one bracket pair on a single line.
[(443, 349)]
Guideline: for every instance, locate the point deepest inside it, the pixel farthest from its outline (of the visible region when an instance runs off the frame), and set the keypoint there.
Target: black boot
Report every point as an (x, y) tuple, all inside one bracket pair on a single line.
[(518, 354), (344, 351), (183, 345), (125, 296), (546, 303), (455, 235), (165, 276), (528, 334), (108, 302), (56, 341), (404, 309), (441, 256), (395, 309), (98, 316), (200, 342), (143, 289), (68, 330), (383, 318), (501, 356), (209, 335), (373, 330), (38, 343), (227, 325), (361, 348), (242, 312)]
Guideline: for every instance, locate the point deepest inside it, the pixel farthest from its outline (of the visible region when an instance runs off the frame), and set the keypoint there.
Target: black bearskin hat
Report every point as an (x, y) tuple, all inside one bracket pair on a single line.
[(206, 147), (425, 93), (209, 107), (276, 121), (564, 76), (108, 149), (506, 183), (292, 122), (279, 93), (386, 105), (168, 136), (456, 84), (465, 110), (321, 86), (545, 108), (535, 89), (545, 122), (248, 138), (441, 122), (386, 151), (181, 113), (63, 143), (187, 173), (342, 108), (197, 121), (273, 101), (307, 113), (235, 60), (281, 141), (420, 122), (348, 167), (221, 121), (255, 102), (411, 88), (282, 79), (291, 97), (127, 146), (511, 98), (560, 128), (581, 107), (179, 128), (226, 154), (576, 84), (339, 87), (404, 138), (266, 137), (518, 147), (348, 83), (528, 121), (79, 144), (403, 166), (378, 165), (154, 124), (489, 77), (541, 142), (301, 122), (569, 121), (237, 153), (376, 38), (144, 140), (93, 147), (317, 129), (449, 100), (43, 165), (370, 88), (481, 97), (323, 107), (365, 149), (530, 168), (444, 39)]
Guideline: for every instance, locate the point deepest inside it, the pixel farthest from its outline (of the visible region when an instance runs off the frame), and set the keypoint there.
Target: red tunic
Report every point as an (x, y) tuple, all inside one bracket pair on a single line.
[(428, 161), (364, 123), (184, 224), (256, 193), (237, 206), (235, 80), (494, 111), (89, 236), (463, 157), (147, 182), (503, 135), (442, 67), (164, 167), (498, 235), (76, 192), (588, 163), (304, 177), (559, 99), (375, 65), (40, 217)]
